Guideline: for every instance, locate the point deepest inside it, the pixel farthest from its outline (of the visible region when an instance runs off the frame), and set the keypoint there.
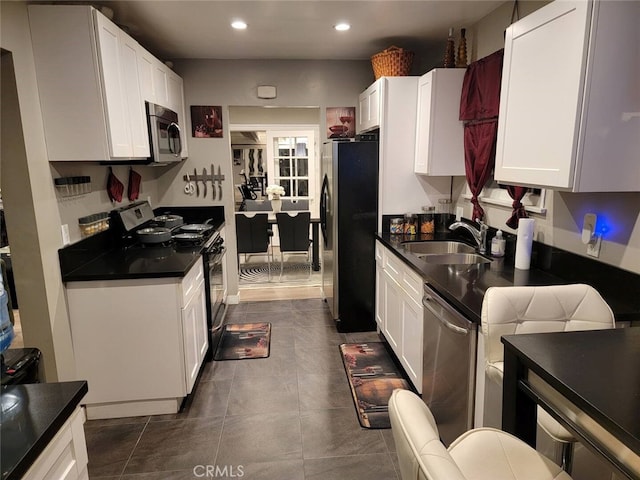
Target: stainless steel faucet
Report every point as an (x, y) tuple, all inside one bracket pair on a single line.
[(479, 235)]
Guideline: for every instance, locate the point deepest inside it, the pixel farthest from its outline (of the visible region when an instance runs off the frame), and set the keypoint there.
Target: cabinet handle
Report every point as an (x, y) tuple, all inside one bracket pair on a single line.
[(455, 328)]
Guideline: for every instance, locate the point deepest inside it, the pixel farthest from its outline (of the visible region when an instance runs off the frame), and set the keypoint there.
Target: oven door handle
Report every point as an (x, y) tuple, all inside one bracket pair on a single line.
[(214, 258)]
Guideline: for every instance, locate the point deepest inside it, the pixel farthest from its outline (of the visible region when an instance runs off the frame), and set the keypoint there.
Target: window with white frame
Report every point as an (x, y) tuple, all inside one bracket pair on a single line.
[(291, 157)]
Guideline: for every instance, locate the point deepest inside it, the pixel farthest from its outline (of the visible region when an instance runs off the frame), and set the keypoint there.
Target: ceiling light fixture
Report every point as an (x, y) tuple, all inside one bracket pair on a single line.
[(239, 25), (342, 27)]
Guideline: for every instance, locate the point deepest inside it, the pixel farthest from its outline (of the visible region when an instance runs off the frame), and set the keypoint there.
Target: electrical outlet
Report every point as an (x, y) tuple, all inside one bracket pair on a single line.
[(65, 234), (459, 213), (593, 247)]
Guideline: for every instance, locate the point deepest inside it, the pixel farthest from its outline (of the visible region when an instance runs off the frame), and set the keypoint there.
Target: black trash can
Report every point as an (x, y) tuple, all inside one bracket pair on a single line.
[(20, 366)]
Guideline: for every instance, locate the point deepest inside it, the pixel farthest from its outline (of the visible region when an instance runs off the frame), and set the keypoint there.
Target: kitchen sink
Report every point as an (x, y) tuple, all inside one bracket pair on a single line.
[(454, 258), (438, 247)]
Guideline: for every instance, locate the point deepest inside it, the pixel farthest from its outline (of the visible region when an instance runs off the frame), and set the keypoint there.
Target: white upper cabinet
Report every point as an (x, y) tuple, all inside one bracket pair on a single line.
[(175, 101), (390, 104), (153, 78), (162, 86), (93, 80), (368, 114), (439, 132), (134, 104), (570, 102)]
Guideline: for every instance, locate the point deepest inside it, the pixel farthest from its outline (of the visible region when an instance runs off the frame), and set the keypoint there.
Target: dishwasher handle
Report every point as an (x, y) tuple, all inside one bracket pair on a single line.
[(429, 298)]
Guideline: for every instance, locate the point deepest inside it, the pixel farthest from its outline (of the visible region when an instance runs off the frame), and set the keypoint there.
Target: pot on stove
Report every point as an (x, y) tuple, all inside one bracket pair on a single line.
[(154, 235), (169, 221)]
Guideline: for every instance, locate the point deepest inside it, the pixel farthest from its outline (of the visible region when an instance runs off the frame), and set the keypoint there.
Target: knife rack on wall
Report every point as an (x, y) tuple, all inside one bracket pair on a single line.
[(206, 178)]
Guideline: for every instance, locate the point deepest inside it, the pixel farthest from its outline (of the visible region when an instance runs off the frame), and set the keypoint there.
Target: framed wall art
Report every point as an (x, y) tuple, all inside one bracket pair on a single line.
[(206, 121), (341, 122)]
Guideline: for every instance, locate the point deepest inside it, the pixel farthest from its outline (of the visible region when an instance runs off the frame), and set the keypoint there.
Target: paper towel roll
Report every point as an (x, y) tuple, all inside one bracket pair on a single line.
[(524, 241)]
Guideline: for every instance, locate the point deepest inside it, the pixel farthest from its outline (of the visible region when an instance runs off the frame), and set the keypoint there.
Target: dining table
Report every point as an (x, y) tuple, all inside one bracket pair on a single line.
[(587, 380)]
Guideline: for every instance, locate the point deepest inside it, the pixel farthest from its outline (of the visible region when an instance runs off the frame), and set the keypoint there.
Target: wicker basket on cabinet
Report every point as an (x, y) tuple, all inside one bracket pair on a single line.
[(392, 62)]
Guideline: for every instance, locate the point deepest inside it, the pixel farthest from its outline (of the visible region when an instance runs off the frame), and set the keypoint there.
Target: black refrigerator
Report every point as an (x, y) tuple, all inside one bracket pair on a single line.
[(348, 220)]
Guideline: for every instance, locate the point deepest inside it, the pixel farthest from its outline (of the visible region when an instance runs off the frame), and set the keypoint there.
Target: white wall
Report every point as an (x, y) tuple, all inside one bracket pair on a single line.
[(33, 218), (562, 224)]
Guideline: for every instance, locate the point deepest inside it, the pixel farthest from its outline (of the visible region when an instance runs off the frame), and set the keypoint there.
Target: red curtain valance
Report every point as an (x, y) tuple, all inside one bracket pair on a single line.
[(479, 106)]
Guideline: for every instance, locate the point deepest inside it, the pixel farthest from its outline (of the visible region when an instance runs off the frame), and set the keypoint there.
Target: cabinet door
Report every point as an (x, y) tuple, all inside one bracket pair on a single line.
[(369, 107), (380, 303), (194, 331), (176, 103), (379, 252), (65, 457), (393, 313), (133, 99), (541, 95), (439, 132), (146, 67), (160, 83), (118, 123), (412, 351)]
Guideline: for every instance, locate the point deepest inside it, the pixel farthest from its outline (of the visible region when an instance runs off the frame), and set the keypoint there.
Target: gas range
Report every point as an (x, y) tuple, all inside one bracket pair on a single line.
[(139, 227)]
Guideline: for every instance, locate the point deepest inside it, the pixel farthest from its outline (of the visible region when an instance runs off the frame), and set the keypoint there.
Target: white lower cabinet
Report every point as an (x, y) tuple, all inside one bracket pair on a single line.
[(194, 331), (392, 313), (138, 343), (399, 311), (65, 457)]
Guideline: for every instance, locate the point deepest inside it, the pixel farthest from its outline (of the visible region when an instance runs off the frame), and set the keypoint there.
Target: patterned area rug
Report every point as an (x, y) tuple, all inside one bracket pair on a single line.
[(259, 272), (244, 341), (373, 377)]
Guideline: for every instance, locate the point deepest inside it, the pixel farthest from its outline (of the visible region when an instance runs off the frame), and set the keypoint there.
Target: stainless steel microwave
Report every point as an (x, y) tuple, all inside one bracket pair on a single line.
[(165, 136)]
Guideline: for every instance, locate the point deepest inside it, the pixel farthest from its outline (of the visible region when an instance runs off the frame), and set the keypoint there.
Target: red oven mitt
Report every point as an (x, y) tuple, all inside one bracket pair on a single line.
[(133, 190), (115, 188)]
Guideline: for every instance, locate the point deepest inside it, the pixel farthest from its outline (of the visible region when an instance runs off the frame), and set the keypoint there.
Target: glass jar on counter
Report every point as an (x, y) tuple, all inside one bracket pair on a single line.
[(427, 219), (444, 213), (396, 226), (410, 223)]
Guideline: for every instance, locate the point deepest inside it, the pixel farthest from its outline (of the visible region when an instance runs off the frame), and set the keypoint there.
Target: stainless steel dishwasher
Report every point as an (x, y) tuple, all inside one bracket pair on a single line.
[(449, 365)]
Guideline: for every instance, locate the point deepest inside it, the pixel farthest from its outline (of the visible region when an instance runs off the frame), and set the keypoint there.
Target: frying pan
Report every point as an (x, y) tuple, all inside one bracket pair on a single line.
[(169, 221), (195, 227)]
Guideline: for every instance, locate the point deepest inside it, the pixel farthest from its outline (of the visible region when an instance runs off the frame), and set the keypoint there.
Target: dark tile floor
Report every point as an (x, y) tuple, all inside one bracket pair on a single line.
[(286, 417)]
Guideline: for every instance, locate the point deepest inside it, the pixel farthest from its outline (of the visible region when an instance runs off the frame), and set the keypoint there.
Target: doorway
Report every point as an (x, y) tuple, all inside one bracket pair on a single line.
[(275, 146)]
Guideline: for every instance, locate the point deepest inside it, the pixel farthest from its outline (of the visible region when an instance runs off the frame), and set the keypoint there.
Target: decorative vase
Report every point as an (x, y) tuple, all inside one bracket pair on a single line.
[(276, 204), (450, 51), (461, 59)]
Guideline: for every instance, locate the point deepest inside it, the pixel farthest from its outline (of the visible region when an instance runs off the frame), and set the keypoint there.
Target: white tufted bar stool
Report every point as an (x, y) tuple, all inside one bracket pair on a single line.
[(556, 308), (479, 454)]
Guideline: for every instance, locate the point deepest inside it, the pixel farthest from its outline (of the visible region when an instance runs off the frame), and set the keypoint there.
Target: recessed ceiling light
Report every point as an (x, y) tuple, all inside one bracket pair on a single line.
[(238, 25), (342, 27)]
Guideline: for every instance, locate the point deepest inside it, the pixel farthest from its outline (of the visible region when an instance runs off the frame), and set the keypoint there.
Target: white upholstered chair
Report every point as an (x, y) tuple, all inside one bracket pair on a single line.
[(479, 454), (555, 308)]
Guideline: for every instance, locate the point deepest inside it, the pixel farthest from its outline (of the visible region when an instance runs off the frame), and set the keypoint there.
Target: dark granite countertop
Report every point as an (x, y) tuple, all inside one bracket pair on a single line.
[(570, 361), (464, 286), (28, 427), (136, 263), (103, 257)]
